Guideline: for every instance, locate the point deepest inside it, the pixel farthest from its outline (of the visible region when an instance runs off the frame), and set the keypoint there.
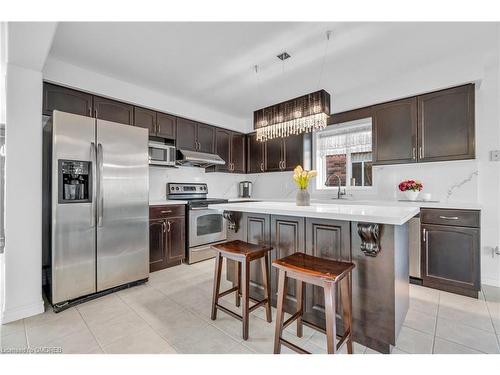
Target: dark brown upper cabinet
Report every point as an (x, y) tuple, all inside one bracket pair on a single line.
[(273, 155), (284, 154), (145, 118), (446, 124), (195, 136), (65, 100), (223, 149), (293, 153), (205, 137), (255, 154), (165, 125), (186, 134), (230, 146), (238, 159), (112, 110), (394, 127)]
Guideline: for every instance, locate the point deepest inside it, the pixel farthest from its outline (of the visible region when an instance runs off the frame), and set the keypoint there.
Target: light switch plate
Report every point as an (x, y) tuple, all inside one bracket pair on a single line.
[(495, 155)]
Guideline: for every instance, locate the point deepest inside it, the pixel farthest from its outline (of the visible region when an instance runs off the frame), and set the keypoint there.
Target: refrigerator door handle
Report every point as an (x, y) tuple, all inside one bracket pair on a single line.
[(100, 198), (93, 197)]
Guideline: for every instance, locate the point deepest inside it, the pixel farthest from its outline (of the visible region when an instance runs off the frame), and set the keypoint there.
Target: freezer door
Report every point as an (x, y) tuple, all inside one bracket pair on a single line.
[(73, 219), (122, 209)]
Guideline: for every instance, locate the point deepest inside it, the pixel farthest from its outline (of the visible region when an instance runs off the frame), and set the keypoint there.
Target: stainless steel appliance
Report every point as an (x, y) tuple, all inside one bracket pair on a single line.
[(198, 159), (245, 189), (205, 226), (96, 192), (161, 154)]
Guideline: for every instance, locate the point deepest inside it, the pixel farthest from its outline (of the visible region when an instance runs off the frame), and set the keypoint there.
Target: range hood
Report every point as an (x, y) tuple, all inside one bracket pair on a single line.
[(198, 159)]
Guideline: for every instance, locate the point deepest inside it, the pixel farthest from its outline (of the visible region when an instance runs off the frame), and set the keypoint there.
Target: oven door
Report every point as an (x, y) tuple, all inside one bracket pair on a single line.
[(206, 226)]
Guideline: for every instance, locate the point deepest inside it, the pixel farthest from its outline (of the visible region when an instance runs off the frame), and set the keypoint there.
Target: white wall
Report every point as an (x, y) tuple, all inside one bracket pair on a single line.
[(80, 78), (23, 206)]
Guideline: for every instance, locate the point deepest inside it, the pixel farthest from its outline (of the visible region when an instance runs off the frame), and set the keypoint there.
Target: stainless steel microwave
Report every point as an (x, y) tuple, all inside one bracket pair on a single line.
[(161, 154)]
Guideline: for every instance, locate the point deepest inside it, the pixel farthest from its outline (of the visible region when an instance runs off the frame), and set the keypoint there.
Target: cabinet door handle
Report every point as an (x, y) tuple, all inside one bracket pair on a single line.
[(449, 217), (168, 224), (262, 167), (166, 212), (420, 152), (90, 112), (414, 153), (424, 234), (157, 128), (164, 226)]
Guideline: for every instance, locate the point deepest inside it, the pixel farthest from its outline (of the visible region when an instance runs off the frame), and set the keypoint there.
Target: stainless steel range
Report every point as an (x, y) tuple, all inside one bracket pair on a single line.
[(205, 226)]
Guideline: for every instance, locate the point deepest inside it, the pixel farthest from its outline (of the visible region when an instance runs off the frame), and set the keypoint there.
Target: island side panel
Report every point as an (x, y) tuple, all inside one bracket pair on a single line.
[(401, 266), (380, 298)]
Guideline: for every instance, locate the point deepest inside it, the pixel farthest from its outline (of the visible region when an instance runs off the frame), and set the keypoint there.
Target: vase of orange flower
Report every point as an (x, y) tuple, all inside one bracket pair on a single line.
[(302, 177)]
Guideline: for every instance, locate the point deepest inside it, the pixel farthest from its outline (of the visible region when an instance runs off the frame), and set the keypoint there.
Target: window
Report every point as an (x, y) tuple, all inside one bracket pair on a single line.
[(344, 151)]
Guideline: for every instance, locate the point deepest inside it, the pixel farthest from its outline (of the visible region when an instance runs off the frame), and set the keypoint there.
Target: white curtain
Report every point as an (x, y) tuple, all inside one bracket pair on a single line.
[(333, 143)]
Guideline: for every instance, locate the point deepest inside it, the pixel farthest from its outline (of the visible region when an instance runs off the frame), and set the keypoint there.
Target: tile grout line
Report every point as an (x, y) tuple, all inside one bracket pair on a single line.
[(436, 324), (90, 330), (147, 323), (497, 334), (26, 333)]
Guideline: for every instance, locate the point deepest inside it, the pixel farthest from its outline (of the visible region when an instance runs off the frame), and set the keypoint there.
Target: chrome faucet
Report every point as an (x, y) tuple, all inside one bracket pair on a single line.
[(339, 193)]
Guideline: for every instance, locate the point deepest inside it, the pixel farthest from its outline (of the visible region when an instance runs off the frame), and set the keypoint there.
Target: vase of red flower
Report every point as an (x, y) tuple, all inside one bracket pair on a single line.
[(411, 188)]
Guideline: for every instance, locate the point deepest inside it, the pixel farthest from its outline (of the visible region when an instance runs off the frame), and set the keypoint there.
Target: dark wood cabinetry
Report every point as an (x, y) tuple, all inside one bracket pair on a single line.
[(165, 125), (450, 244), (238, 152), (287, 237), (195, 136), (167, 246), (395, 132), (230, 146), (274, 155), (255, 154), (446, 124), (145, 118), (328, 239), (65, 100), (159, 124), (112, 110), (438, 126), (283, 154)]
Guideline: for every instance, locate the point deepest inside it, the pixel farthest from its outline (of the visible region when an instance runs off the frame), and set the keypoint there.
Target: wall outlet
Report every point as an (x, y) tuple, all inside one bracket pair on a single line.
[(495, 155)]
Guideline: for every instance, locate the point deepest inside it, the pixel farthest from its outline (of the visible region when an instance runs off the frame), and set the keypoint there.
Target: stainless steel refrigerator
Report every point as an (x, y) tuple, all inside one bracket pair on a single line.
[(96, 188)]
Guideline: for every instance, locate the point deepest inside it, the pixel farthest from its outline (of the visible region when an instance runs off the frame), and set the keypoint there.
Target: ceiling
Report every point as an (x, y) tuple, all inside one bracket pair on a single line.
[(213, 63)]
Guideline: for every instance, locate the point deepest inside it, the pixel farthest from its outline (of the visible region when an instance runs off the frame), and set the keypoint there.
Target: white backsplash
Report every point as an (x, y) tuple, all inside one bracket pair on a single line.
[(445, 181), (220, 185)]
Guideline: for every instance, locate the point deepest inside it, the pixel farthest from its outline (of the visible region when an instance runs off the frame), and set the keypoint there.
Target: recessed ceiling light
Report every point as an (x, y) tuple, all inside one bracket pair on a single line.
[(283, 56)]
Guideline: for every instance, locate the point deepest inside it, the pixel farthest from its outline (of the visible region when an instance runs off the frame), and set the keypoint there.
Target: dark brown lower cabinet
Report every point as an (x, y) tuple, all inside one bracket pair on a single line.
[(167, 245), (450, 258), (328, 239), (287, 237)]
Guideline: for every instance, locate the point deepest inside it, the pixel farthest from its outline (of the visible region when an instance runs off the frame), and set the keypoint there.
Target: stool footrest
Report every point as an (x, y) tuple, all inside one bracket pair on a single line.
[(291, 319), (229, 312), (293, 347), (258, 304), (226, 292)]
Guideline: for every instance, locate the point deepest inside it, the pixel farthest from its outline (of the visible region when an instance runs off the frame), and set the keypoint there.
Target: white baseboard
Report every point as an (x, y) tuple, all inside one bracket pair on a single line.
[(17, 313), (490, 281)]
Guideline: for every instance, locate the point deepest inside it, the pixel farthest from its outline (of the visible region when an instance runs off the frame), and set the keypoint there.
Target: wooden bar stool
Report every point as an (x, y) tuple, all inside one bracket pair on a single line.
[(242, 253), (324, 273)]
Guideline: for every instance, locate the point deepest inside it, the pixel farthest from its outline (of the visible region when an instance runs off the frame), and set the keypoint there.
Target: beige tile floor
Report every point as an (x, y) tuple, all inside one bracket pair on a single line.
[(171, 314)]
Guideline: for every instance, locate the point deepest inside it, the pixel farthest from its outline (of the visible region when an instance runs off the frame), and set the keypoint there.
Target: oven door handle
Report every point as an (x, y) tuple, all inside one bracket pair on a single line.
[(200, 208)]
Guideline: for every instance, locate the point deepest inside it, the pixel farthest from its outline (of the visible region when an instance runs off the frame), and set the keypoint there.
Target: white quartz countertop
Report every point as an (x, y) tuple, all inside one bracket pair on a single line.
[(165, 202), (395, 215)]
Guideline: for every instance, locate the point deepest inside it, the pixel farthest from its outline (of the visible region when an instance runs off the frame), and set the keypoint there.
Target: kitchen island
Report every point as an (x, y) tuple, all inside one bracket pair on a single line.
[(375, 238)]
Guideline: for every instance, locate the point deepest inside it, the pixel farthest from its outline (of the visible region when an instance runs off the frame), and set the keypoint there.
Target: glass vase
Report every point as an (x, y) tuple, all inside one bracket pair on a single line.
[(303, 198)]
